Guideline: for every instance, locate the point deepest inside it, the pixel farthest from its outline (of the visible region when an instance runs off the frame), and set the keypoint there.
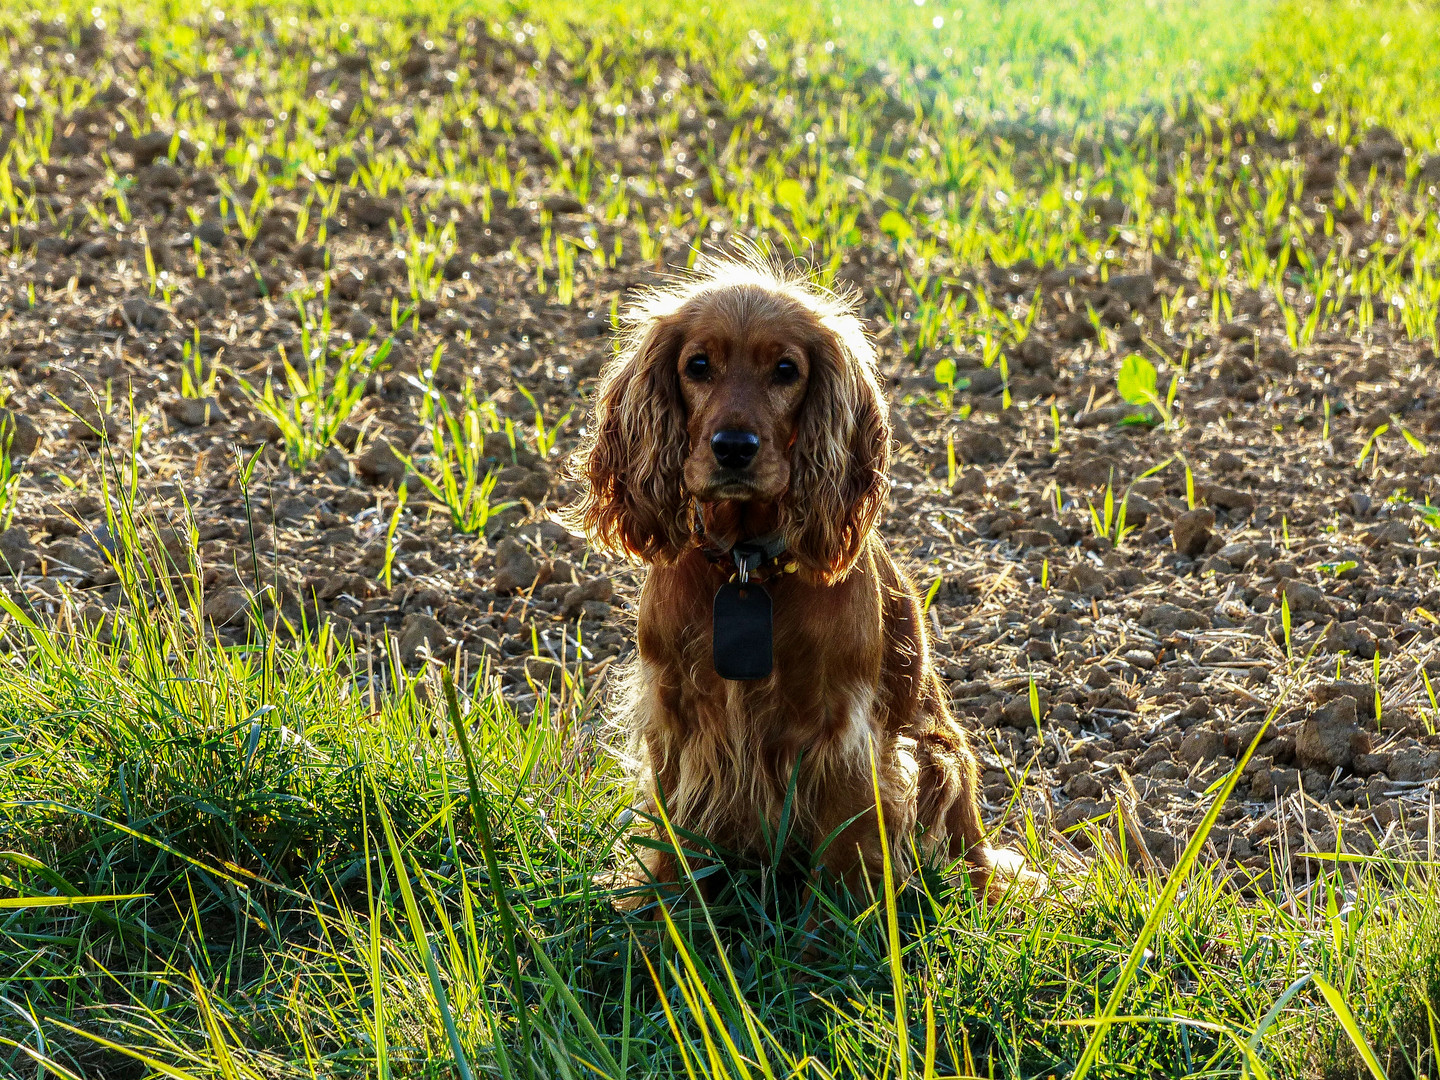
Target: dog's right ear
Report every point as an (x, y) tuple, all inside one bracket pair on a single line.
[(629, 468)]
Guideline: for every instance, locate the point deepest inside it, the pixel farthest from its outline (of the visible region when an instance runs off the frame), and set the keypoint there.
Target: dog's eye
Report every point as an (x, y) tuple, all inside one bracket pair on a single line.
[(698, 367), (786, 371)]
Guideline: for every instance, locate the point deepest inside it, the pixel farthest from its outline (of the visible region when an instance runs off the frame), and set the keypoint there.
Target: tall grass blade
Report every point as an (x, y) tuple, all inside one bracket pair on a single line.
[(1091, 1055), (1350, 1025), (480, 807), (422, 943)]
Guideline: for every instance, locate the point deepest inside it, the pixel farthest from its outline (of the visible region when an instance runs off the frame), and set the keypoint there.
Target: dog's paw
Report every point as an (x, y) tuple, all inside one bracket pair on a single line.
[(634, 892), (1003, 872), (627, 892)]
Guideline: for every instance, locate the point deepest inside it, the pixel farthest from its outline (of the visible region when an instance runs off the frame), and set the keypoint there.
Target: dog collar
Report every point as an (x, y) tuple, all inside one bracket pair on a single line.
[(755, 555), (751, 555)]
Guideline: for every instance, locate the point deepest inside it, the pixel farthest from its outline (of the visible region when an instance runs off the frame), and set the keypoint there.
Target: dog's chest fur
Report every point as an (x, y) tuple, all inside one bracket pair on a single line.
[(725, 752)]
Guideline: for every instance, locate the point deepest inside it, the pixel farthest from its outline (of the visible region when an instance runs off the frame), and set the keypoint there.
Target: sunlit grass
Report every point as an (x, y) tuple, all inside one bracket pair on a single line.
[(457, 471), (294, 842), (298, 851), (316, 401)]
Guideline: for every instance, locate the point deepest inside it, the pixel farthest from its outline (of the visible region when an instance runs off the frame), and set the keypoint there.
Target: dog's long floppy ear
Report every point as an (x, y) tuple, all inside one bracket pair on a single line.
[(841, 459), (631, 500)]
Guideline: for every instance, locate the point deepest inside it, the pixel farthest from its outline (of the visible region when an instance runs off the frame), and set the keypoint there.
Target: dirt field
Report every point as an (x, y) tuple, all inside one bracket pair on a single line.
[(1154, 659)]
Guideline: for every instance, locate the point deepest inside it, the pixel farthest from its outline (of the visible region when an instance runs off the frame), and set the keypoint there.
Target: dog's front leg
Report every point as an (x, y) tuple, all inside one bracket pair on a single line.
[(949, 810), (857, 855)]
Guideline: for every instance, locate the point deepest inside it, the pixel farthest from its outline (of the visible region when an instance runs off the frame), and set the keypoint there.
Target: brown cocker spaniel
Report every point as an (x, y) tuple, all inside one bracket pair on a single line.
[(740, 446)]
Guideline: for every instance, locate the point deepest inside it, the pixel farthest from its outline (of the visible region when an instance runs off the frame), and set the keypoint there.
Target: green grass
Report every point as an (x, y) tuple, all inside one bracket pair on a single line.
[(280, 860), (273, 861), (456, 471), (316, 401)]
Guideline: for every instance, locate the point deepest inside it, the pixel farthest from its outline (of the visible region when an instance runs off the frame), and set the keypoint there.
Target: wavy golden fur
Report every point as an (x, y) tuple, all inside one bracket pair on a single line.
[(742, 348)]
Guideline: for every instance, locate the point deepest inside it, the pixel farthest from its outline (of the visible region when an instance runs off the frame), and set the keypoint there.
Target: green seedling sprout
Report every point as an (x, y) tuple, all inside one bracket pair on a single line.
[(1110, 525), (1136, 385), (945, 375), (1375, 678), (401, 496), (1371, 443), (931, 593), (1285, 624), (1035, 709)]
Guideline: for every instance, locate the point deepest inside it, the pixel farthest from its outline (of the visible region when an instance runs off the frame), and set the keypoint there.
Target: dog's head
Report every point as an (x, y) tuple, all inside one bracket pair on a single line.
[(741, 386)]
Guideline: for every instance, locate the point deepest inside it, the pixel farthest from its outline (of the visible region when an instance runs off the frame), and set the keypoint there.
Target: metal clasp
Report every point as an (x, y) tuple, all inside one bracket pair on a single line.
[(745, 561)]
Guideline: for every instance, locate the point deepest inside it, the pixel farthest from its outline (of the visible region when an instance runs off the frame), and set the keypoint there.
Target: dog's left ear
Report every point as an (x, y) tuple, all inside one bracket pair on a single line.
[(841, 460)]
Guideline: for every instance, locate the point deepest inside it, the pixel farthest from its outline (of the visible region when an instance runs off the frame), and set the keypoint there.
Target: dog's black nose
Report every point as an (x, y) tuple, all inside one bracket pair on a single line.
[(735, 449)]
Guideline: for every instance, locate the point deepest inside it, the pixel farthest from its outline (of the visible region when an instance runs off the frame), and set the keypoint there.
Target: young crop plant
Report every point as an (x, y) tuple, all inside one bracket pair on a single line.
[(197, 378), (1136, 385), (1108, 523), (946, 375), (545, 435), (323, 393), (457, 471)]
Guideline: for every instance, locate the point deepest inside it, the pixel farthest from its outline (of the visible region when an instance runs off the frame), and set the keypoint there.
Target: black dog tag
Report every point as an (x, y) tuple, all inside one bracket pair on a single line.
[(743, 643)]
